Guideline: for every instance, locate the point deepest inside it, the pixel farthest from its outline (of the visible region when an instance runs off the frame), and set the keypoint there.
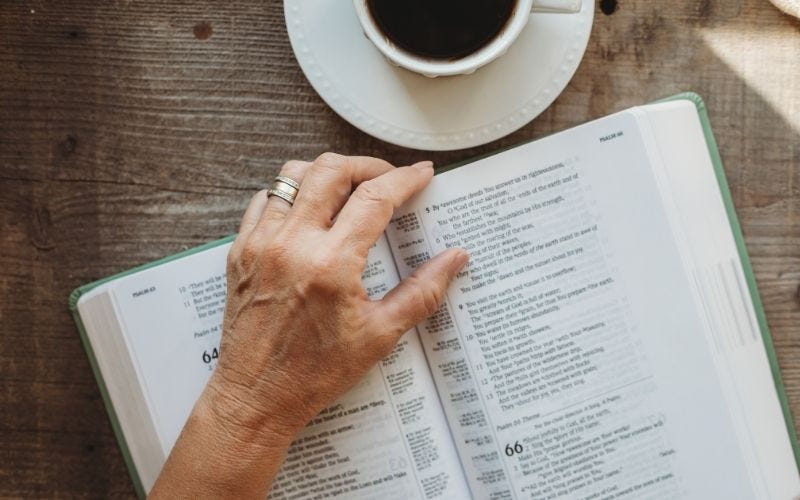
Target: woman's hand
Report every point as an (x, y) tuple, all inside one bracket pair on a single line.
[(299, 329)]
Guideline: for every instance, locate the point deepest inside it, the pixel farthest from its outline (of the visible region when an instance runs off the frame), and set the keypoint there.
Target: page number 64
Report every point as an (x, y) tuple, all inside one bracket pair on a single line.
[(207, 358)]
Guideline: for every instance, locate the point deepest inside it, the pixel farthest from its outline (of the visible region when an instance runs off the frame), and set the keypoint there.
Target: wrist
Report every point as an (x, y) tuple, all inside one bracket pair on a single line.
[(245, 417), (228, 449)]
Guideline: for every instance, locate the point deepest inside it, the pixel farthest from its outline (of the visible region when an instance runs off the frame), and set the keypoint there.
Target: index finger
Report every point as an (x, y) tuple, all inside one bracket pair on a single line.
[(366, 214)]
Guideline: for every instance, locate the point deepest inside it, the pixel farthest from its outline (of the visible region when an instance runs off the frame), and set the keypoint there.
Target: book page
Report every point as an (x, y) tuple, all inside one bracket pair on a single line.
[(570, 357), (385, 437)]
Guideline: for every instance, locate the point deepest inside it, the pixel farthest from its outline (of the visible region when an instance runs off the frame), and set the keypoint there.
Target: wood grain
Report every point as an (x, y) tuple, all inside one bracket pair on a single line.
[(132, 130)]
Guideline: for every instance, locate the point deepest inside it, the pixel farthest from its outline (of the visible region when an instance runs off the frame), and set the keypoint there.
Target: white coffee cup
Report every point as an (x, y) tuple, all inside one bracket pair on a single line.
[(467, 64)]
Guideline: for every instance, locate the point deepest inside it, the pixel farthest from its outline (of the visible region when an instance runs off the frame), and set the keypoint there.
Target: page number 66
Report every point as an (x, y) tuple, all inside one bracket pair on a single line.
[(513, 450)]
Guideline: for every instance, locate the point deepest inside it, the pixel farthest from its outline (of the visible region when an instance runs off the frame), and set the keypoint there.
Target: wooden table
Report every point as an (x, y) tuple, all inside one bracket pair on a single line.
[(132, 130)]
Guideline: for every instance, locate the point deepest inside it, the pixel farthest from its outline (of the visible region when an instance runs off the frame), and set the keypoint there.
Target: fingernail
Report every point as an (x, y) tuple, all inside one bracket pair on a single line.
[(460, 259), (423, 165)]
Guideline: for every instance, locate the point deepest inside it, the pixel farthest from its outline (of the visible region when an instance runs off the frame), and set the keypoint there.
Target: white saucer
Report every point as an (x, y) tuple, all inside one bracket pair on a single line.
[(435, 114)]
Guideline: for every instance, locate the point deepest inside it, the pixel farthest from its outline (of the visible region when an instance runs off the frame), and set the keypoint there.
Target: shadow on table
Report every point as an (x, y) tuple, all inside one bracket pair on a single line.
[(642, 53)]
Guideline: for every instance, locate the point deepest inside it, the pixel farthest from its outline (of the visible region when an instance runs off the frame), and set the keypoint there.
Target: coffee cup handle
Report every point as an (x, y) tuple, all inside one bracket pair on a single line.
[(557, 6)]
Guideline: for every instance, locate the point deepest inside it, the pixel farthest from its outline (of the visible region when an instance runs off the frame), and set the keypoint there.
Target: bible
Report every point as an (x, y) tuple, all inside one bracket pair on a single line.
[(605, 341)]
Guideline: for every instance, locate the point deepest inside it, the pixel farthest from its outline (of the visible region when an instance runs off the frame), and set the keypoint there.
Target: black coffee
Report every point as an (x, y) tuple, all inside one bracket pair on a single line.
[(441, 29)]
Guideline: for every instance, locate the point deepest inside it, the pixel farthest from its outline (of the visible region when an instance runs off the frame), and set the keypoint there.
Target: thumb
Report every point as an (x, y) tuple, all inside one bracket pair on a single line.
[(421, 294)]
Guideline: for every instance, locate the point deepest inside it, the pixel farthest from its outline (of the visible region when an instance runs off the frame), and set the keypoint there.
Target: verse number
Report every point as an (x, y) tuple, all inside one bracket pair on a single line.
[(207, 358), (513, 450)]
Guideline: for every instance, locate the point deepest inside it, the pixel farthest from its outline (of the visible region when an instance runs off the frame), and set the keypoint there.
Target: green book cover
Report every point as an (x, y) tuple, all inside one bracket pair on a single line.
[(735, 228)]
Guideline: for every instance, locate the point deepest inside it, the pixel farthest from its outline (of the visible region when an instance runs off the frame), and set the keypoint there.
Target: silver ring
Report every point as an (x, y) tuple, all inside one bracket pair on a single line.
[(285, 189), (287, 180), (282, 195)]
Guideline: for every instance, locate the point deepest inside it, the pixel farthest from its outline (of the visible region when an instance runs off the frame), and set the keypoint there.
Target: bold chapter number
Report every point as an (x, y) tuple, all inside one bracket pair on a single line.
[(207, 358), (513, 450)]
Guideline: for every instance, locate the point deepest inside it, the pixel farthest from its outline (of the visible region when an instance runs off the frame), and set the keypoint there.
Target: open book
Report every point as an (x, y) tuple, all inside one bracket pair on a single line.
[(606, 340)]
